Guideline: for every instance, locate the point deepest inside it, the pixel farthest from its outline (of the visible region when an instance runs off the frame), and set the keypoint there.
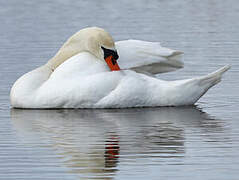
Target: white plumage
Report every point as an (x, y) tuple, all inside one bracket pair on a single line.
[(143, 56), (85, 81)]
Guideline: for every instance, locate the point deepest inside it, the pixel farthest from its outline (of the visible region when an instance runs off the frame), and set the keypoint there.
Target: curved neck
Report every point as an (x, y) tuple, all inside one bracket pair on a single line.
[(62, 55)]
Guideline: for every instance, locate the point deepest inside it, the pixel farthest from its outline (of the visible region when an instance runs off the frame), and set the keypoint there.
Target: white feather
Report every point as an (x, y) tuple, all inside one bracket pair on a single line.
[(85, 82), (151, 57), (78, 76)]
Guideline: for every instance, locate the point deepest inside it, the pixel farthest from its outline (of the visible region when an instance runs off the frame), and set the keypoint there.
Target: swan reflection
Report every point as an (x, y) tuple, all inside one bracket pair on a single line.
[(92, 143)]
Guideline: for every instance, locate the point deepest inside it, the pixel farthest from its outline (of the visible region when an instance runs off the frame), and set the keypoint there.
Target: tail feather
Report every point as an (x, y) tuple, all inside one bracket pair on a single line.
[(192, 89), (214, 77)]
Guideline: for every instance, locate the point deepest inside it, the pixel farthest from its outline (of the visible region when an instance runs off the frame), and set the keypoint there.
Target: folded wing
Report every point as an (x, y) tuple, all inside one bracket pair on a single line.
[(148, 57)]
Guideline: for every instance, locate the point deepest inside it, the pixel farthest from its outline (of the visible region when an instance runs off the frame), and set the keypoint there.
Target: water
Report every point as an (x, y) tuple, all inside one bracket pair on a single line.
[(199, 142)]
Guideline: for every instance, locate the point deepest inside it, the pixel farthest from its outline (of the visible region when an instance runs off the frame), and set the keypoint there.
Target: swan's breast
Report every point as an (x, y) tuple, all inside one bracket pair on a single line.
[(80, 81)]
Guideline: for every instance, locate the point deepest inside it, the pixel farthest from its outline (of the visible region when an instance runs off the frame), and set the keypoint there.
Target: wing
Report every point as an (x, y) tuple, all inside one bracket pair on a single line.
[(148, 57)]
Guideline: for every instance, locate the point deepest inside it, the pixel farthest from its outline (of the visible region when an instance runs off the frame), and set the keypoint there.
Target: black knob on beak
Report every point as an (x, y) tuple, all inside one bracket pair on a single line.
[(111, 57), (109, 52)]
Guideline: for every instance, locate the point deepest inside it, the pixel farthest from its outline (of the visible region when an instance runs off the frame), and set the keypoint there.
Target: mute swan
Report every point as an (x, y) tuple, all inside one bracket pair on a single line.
[(85, 73)]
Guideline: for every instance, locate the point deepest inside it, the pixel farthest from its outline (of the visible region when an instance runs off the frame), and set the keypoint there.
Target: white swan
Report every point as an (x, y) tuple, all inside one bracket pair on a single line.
[(85, 74)]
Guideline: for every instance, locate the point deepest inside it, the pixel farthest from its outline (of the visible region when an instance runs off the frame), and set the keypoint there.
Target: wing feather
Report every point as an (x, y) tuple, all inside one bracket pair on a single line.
[(148, 57)]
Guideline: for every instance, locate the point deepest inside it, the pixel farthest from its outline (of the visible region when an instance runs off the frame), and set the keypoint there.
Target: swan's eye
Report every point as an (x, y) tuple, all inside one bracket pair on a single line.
[(110, 52)]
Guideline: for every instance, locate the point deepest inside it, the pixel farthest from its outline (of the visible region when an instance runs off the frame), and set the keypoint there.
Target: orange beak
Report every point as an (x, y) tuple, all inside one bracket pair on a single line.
[(112, 63)]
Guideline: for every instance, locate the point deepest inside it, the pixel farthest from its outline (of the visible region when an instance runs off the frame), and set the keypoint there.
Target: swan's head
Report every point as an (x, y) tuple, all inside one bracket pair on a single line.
[(93, 40)]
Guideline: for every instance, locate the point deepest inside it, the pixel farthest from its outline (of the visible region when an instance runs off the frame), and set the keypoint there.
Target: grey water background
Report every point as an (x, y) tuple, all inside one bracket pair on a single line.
[(198, 142)]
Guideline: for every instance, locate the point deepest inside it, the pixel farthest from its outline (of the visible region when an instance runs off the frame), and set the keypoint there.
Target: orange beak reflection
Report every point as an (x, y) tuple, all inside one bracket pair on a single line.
[(112, 63)]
